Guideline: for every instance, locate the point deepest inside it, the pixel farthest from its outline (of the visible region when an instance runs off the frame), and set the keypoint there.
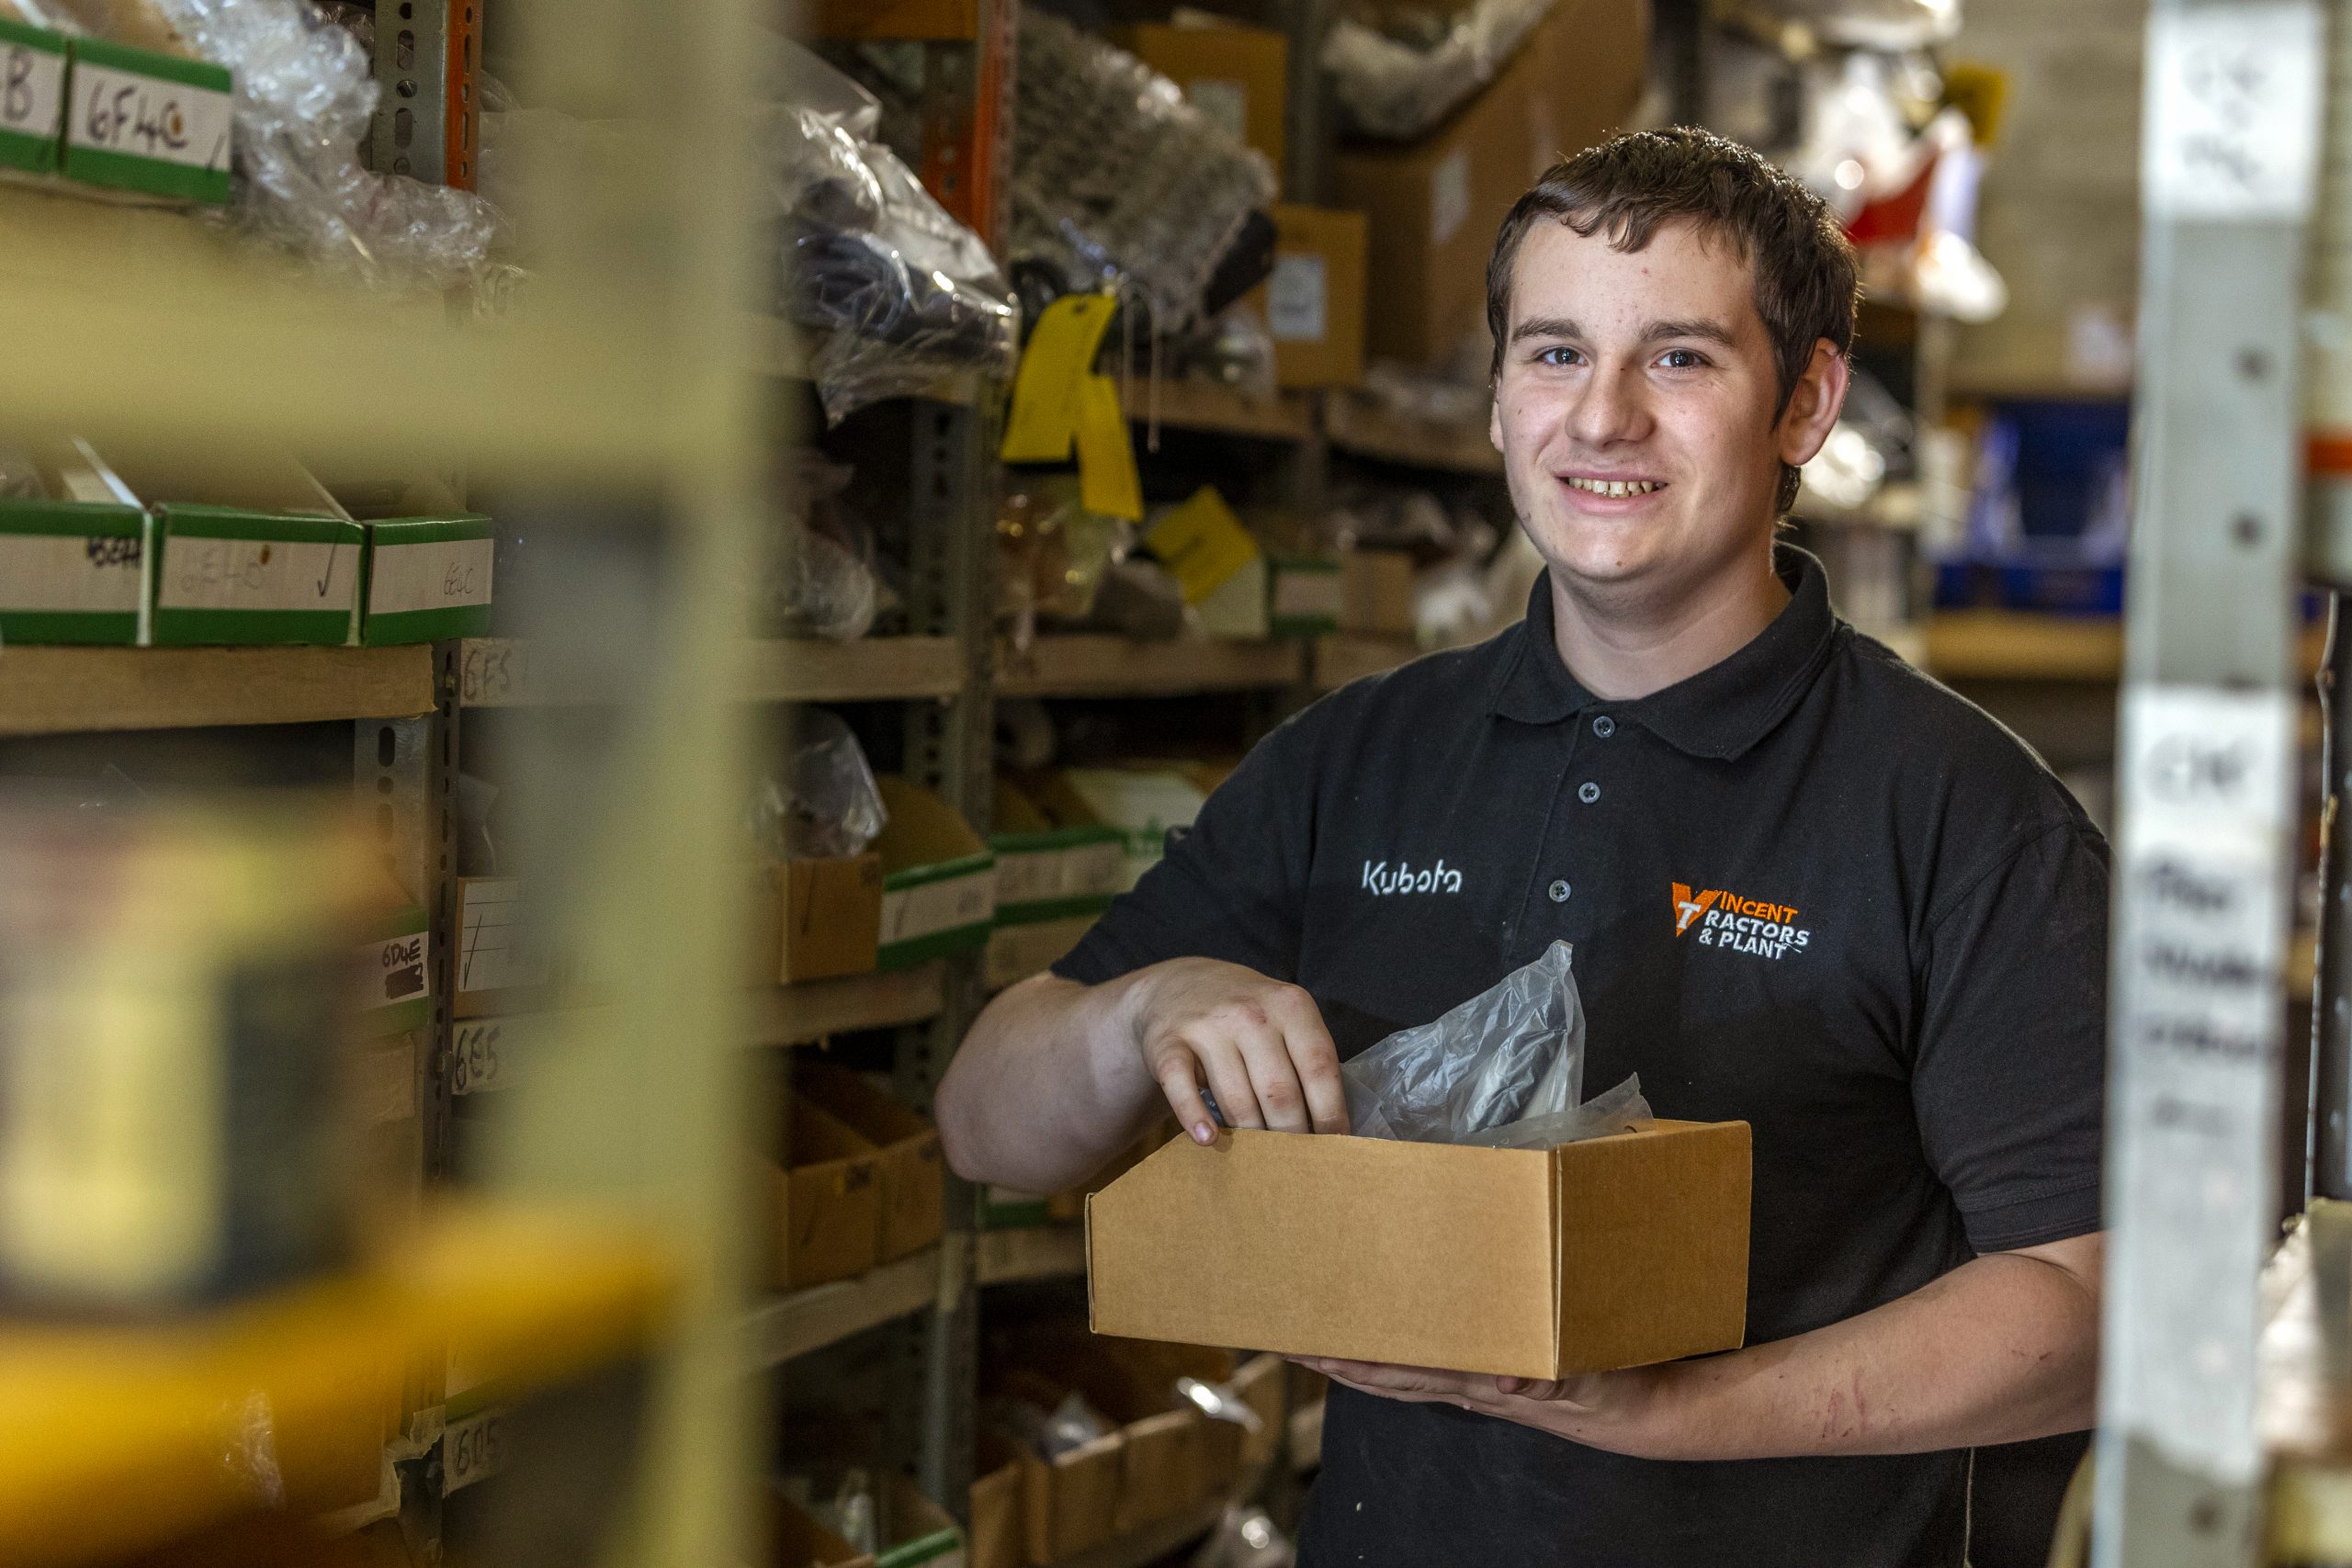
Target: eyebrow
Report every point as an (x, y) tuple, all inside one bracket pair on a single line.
[(1693, 327)]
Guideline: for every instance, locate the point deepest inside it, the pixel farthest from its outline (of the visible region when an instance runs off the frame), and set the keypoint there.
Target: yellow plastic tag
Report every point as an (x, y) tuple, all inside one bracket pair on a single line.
[(1202, 544), (1107, 481), (1047, 389)]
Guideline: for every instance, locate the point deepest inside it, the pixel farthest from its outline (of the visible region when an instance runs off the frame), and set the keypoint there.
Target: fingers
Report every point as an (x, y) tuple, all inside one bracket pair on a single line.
[(1313, 1057), (1177, 1074)]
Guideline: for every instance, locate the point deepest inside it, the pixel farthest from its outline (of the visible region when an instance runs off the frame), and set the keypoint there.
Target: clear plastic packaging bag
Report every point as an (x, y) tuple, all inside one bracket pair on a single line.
[(304, 94), (1505, 1069), (824, 802), (902, 293), (1398, 88), (1219, 1403), (1120, 182), (818, 579)]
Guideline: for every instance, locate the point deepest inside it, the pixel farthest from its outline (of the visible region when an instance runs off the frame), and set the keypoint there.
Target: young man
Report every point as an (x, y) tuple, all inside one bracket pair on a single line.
[(1807, 887)]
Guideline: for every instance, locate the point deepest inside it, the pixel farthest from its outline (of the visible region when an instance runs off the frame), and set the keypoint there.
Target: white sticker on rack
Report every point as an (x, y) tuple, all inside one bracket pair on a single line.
[(475, 1049), (491, 952), (393, 971), (930, 907), (473, 1449), (32, 90), (148, 117), (2232, 115), (1296, 300), (2201, 924)]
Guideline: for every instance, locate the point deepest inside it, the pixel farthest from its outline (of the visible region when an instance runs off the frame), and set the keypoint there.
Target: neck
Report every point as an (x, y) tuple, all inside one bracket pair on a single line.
[(1621, 645)]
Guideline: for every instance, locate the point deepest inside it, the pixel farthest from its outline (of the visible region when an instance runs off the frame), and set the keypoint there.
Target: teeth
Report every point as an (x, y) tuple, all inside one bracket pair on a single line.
[(1615, 488)]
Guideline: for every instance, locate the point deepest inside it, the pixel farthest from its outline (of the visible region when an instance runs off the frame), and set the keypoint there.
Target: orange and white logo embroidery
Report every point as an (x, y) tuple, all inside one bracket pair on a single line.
[(1744, 925)]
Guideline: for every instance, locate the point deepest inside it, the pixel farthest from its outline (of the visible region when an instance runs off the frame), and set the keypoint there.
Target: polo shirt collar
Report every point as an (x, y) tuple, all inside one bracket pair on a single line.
[(1718, 713)]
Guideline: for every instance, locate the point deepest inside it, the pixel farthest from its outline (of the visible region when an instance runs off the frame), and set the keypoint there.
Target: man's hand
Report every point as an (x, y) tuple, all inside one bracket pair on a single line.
[(1259, 1044), (1616, 1411)]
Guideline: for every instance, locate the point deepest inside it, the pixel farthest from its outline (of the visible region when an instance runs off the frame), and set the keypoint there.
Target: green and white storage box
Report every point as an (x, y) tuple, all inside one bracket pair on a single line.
[(428, 579), (1305, 597), (1058, 873), (33, 96), (225, 575), (71, 572), (146, 122), (938, 879)]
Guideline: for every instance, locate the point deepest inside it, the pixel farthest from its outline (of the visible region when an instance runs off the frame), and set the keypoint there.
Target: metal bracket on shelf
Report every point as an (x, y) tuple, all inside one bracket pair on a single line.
[(2205, 779), (409, 136)]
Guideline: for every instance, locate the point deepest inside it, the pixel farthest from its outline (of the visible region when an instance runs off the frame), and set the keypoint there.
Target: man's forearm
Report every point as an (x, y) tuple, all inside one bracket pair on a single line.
[(2002, 1348), (1044, 1089)]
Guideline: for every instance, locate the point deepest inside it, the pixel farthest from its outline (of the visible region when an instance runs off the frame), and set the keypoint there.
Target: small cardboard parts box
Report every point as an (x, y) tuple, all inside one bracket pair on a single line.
[(1306, 596), (827, 1206), (427, 580), (1615, 1252), (815, 920), (999, 1533), (153, 124), (1434, 206), (915, 1532), (938, 879), (1315, 302), (32, 107), (1376, 593), (914, 1194), (1236, 77)]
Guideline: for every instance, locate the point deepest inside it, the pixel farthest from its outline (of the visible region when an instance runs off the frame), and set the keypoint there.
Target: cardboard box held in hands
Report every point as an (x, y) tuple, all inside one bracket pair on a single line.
[(1543, 1263)]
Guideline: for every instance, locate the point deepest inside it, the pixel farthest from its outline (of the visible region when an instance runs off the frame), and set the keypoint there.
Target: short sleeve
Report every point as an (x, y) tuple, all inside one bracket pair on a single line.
[(1232, 887), (2009, 1082)]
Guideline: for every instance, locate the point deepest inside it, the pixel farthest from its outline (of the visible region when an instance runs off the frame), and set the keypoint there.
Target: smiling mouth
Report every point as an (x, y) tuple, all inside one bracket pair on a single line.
[(1615, 488)]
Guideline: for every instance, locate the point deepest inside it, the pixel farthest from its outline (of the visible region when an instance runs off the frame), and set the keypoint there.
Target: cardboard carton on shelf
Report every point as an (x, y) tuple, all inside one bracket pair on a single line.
[(428, 579), (827, 1206), (938, 879), (1315, 302), (906, 1153), (816, 919), (247, 551), (1069, 1503), (1169, 1460), (1376, 593), (1307, 597), (32, 113), (1000, 1535), (1434, 206), (117, 96), (798, 1538), (1615, 1252), (916, 1530), (1237, 78), (75, 559)]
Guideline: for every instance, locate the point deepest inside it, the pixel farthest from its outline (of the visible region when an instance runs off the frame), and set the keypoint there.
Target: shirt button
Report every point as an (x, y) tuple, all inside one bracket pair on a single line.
[(1604, 726), (1559, 891), (1587, 792)]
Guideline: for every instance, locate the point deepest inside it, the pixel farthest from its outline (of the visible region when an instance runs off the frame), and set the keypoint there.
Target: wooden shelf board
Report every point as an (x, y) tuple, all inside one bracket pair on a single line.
[(112, 1438), (785, 1327), (794, 1015), (2021, 645), (779, 347), (1207, 405), (64, 690), (1344, 658), (1140, 1549), (1091, 666), (1359, 425), (502, 672), (1034, 1252)]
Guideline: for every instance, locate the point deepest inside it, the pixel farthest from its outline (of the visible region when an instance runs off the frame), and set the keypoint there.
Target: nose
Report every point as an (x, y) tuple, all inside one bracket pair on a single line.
[(1608, 409)]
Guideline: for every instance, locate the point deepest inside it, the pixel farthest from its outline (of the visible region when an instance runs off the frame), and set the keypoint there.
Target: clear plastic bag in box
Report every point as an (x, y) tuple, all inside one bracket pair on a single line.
[(1505, 1070), (822, 801)]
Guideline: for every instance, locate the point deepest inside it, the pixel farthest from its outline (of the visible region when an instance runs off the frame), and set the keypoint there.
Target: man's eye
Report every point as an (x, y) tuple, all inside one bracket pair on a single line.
[(1556, 356), (1682, 359)]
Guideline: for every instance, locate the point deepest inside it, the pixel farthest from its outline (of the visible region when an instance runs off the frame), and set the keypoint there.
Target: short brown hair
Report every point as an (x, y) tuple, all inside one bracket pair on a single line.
[(1806, 280)]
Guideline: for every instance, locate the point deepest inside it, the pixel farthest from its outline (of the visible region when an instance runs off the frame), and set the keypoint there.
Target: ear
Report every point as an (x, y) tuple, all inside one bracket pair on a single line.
[(1814, 404), (1494, 414)]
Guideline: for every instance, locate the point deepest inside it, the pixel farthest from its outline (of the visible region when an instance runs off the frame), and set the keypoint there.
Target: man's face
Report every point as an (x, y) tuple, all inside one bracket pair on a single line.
[(1636, 409)]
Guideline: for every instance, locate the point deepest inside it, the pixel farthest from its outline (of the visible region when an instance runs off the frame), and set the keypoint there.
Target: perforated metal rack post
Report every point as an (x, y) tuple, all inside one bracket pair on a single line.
[(2205, 777)]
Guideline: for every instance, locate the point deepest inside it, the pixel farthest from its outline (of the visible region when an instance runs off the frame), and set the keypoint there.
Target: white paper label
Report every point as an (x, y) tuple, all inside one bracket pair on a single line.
[(472, 1450), (392, 972), (54, 572), (2201, 921), (442, 575), (148, 117), (1294, 300), (1223, 102), (475, 1049), (32, 90), (258, 574), (1450, 196), (388, 1083), (491, 956), (2233, 110), (1035, 876), (1301, 595), (944, 906)]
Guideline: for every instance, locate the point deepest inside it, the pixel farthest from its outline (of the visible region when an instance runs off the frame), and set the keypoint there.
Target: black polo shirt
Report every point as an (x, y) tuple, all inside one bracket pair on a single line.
[(1808, 888)]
